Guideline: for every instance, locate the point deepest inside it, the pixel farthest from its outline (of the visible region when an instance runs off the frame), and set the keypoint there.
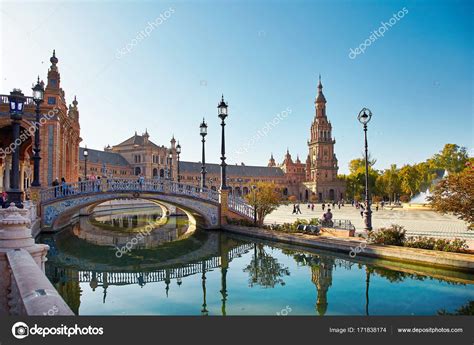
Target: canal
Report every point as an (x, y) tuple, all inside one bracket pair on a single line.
[(138, 262)]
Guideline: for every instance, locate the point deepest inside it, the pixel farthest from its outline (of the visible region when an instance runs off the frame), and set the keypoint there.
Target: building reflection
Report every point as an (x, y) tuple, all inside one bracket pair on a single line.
[(68, 280), (321, 276)]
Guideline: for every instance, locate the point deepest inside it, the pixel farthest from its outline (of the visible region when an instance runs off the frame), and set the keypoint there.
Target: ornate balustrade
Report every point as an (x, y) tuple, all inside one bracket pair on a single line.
[(239, 206), (127, 185)]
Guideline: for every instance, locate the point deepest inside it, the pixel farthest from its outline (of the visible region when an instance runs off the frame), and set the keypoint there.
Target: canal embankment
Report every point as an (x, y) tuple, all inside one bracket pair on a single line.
[(456, 261)]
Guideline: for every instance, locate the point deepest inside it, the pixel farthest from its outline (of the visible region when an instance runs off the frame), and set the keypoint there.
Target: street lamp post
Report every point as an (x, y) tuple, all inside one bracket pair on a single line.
[(254, 205), (364, 117), (170, 160), (203, 132), (16, 99), (38, 97), (86, 156), (222, 113), (178, 152)]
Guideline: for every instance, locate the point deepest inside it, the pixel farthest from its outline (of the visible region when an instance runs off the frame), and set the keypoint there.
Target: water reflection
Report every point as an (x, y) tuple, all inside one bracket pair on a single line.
[(210, 273)]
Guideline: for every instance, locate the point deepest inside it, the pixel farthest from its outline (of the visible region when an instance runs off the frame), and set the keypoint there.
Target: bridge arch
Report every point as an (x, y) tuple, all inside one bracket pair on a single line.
[(59, 204)]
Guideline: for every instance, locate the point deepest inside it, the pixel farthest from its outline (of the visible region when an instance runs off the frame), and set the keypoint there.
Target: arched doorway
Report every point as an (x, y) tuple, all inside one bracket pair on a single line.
[(162, 173), (138, 171), (331, 194), (155, 172), (306, 195), (245, 190)]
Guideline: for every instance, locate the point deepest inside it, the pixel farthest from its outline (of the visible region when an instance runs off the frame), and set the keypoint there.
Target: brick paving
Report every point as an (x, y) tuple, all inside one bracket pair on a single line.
[(416, 222)]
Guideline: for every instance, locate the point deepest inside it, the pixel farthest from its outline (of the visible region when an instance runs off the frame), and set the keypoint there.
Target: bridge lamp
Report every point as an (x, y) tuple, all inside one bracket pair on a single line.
[(86, 156), (38, 95), (364, 117), (222, 113), (203, 132), (16, 99), (170, 160), (178, 152), (254, 188)]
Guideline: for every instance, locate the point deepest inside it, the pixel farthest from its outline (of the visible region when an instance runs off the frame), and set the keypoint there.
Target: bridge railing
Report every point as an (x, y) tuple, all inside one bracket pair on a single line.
[(126, 185), (239, 206)]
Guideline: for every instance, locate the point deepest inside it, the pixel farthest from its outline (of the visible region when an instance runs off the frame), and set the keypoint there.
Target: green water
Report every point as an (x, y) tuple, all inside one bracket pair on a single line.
[(173, 271)]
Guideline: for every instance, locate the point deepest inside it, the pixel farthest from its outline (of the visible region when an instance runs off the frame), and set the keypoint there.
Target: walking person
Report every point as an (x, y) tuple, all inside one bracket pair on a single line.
[(323, 206), (312, 207), (362, 209), (298, 210)]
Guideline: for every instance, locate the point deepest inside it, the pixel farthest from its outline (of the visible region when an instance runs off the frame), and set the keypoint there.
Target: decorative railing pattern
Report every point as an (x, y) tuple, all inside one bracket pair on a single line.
[(125, 278), (127, 185), (239, 206)]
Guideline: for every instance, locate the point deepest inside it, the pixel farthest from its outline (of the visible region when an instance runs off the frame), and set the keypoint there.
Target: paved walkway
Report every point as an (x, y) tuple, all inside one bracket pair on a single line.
[(416, 222)]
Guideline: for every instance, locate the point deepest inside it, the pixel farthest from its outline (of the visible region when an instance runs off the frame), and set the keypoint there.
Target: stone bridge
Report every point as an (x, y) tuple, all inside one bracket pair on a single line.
[(211, 209)]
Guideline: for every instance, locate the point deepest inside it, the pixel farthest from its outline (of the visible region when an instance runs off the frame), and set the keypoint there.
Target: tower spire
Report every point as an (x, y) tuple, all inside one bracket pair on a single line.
[(320, 97)]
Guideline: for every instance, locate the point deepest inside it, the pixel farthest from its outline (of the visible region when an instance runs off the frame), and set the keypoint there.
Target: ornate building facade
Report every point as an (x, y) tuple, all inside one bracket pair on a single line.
[(316, 179), (59, 136)]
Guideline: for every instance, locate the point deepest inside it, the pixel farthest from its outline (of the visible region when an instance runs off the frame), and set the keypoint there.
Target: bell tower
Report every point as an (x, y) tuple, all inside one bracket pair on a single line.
[(322, 162)]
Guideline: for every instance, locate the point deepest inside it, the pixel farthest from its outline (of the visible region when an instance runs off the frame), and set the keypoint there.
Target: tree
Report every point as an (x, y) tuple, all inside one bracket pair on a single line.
[(452, 158), (410, 181), (265, 197), (264, 269), (355, 181), (455, 193)]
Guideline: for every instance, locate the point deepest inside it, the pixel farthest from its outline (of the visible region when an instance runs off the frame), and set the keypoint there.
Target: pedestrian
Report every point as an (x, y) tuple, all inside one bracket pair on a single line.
[(298, 210), (323, 206), (339, 205), (376, 206), (312, 207), (294, 209), (361, 210), (3, 200), (64, 187)]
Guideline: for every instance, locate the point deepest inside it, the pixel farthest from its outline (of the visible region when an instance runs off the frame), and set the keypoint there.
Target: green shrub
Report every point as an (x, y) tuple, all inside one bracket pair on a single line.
[(394, 235), (455, 246), (420, 242)]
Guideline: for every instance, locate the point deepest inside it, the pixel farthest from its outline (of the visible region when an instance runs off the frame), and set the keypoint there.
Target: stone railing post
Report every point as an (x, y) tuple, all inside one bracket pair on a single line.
[(15, 233), (224, 208)]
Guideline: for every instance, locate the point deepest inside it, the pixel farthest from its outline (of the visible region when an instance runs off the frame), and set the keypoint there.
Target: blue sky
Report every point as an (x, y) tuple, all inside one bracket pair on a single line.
[(265, 57)]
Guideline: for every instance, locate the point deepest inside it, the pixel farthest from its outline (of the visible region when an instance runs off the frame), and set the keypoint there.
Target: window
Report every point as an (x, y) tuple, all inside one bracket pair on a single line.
[(51, 100), (53, 82)]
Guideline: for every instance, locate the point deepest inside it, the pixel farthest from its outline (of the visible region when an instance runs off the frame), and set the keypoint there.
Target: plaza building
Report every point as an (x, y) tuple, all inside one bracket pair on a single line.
[(138, 155), (316, 179), (59, 135), (61, 156)]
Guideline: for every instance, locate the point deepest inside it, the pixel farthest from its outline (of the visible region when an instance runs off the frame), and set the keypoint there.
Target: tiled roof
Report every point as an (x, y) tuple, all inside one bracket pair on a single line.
[(96, 156), (232, 170), (136, 140)]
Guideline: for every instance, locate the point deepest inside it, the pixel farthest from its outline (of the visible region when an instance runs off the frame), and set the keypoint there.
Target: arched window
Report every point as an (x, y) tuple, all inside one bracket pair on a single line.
[(138, 171), (155, 172), (162, 173)]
